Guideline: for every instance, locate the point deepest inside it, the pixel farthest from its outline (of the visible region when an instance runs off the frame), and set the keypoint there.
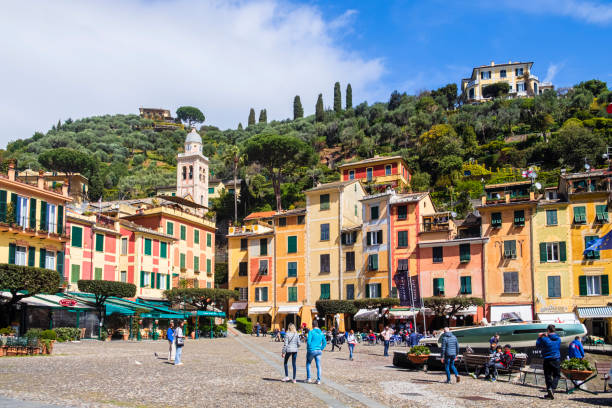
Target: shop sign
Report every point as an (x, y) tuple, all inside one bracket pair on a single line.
[(67, 302)]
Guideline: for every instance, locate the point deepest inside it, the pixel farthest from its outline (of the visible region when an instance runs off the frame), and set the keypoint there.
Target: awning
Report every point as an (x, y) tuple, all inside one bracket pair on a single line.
[(238, 306), (524, 311), (259, 310), (402, 313), (366, 315), (48, 301), (558, 318), (472, 310), (594, 312), (289, 309)]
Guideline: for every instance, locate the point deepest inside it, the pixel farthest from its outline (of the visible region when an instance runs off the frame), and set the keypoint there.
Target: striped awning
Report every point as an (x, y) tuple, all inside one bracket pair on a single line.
[(594, 312)]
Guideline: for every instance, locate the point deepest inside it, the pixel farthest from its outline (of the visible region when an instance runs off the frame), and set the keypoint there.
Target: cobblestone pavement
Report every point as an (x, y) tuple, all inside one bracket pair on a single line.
[(245, 371)]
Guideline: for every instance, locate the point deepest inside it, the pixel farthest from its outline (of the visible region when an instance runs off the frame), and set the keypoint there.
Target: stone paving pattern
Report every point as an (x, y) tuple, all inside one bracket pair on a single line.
[(245, 372)]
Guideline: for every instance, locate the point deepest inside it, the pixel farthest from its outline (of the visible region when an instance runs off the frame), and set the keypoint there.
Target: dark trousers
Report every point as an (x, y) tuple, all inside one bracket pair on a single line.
[(552, 372), (335, 344)]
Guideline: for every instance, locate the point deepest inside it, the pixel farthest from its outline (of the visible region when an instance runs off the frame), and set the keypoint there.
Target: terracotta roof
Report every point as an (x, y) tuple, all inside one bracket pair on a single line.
[(371, 160), (296, 211), (258, 215), (332, 185)]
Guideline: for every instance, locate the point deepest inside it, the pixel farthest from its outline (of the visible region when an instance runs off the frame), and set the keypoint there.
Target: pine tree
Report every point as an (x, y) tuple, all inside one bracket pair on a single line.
[(263, 116), (337, 98), (251, 117), (298, 111), (349, 97), (240, 126), (319, 114)]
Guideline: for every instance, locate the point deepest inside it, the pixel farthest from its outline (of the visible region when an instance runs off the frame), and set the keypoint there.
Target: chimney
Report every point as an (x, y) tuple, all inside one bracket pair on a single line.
[(65, 187), (11, 170), (492, 63), (41, 179)]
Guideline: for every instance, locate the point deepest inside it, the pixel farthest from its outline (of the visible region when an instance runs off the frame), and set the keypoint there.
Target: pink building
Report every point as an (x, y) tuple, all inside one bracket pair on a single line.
[(451, 260)]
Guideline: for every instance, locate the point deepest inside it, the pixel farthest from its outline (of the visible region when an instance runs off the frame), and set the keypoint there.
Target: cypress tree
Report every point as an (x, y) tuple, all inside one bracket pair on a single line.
[(263, 116), (349, 97), (298, 111), (240, 126), (337, 98), (251, 117), (319, 114)]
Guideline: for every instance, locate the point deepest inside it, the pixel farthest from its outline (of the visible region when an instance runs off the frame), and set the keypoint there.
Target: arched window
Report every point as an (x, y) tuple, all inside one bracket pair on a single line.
[(184, 172), (190, 172)]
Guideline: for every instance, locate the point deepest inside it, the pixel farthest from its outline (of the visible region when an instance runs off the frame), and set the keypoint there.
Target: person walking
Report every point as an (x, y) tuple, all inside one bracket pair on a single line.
[(179, 339), (575, 349), (316, 343), (257, 328), (334, 339), (351, 340), (450, 350), (386, 335), (290, 350), (550, 344), (171, 345)]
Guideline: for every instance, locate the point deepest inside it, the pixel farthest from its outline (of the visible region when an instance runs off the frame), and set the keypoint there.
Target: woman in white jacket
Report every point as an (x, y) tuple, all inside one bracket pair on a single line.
[(351, 340), (290, 349)]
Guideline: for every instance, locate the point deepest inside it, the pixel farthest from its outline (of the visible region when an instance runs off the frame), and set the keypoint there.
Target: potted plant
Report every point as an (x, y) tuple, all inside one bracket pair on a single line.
[(576, 369), (47, 338), (126, 334), (418, 354)]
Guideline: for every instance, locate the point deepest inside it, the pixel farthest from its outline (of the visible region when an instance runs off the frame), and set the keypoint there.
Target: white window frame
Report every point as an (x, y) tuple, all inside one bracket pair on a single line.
[(124, 246), (162, 282), (123, 276), (21, 255), (147, 279), (50, 260), (263, 262), (22, 211), (51, 217), (593, 285), (373, 290), (243, 293), (552, 252), (520, 85)]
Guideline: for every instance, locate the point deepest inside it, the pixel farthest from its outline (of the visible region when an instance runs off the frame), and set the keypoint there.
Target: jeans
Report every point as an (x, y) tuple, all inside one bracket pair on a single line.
[(293, 356), (257, 331), (449, 364), (316, 354), (351, 348), (492, 367), (177, 356), (386, 348), (552, 372), (171, 350)]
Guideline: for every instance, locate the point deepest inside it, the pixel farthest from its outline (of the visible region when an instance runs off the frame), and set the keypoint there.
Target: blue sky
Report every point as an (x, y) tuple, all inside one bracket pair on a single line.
[(76, 59)]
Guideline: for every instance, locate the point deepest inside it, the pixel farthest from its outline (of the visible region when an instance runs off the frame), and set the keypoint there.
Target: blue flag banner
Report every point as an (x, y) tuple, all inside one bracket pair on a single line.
[(599, 244)]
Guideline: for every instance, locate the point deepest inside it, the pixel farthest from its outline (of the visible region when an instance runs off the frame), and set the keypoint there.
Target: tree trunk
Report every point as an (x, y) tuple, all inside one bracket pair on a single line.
[(235, 191), (277, 193)]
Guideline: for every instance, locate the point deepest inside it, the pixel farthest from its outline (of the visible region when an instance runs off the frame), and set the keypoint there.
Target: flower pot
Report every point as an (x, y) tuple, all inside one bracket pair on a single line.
[(576, 375), (125, 336), (192, 335), (418, 359)]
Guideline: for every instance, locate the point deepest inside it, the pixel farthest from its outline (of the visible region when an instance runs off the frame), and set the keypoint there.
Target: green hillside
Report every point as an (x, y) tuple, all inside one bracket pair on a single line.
[(439, 140)]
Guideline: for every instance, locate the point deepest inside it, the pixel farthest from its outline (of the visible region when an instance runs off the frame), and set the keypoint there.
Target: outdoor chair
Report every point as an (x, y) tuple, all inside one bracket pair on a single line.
[(536, 368), (603, 368)]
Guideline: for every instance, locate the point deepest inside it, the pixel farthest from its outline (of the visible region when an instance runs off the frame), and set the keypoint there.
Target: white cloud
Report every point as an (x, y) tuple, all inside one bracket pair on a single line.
[(73, 59), (552, 71), (597, 12)]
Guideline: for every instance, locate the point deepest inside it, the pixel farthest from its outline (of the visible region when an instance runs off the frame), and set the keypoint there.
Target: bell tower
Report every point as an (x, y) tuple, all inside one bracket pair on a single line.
[(192, 171)]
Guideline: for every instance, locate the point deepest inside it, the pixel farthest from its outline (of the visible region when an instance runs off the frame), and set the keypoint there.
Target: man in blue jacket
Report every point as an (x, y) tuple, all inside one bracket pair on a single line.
[(575, 349), (550, 344), (450, 350), (315, 345)]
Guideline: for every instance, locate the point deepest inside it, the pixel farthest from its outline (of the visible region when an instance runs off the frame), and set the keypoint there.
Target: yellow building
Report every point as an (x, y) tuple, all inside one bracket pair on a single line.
[(332, 208), (506, 213), (32, 222), (588, 196), (516, 74), (376, 275)]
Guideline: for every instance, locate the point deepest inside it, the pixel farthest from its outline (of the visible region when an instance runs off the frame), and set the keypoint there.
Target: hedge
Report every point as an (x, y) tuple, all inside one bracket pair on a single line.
[(244, 325), (331, 307), (67, 334)]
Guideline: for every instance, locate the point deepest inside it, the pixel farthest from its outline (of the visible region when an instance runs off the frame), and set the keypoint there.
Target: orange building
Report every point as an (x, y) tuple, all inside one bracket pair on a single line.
[(384, 171), (506, 212)]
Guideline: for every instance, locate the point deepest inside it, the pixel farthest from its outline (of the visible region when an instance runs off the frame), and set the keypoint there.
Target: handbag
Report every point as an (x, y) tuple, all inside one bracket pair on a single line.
[(180, 341)]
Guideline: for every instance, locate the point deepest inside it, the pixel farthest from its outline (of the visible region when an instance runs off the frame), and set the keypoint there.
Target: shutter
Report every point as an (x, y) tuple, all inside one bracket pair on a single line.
[(367, 290), (14, 205), (369, 240), (2, 205), (375, 262), (468, 284), (605, 289), (33, 213), (292, 244), (158, 280), (582, 284), (142, 279), (43, 255), (60, 219), (168, 281), (551, 289), (441, 285), (379, 237), (562, 252), (12, 250), (43, 215), (32, 257), (379, 289), (60, 263), (543, 256)]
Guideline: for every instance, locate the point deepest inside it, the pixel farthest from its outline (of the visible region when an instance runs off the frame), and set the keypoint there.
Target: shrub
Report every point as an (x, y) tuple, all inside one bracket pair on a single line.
[(419, 350), (67, 334), (244, 325), (33, 334), (48, 335), (576, 364), (496, 89), (331, 307), (6, 331)]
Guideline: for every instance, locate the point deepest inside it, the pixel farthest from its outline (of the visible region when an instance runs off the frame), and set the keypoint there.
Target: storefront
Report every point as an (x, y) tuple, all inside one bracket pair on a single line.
[(597, 320), (288, 314), (261, 314), (238, 309)]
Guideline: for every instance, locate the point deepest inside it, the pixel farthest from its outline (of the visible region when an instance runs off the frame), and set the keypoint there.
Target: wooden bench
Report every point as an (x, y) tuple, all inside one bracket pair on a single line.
[(603, 368), (475, 361), (518, 364)]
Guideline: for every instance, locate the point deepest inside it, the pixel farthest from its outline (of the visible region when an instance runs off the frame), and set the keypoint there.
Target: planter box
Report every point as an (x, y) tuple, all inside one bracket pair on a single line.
[(418, 359), (576, 375)]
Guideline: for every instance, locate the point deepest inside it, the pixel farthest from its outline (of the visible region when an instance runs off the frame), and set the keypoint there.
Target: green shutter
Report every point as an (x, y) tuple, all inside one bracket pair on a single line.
[(605, 289), (562, 252), (196, 236), (100, 242), (3, 206), (60, 263), (551, 286), (601, 212), (367, 290), (464, 253), (43, 255), (77, 236), (12, 250), (142, 278), (324, 202), (147, 248), (32, 256), (582, 285), (75, 273), (379, 289), (43, 216), (208, 239), (169, 228), (196, 264), (33, 213), (14, 205), (469, 284), (158, 280), (182, 261), (98, 273), (543, 256), (168, 281), (292, 244), (375, 261), (60, 219), (579, 214), (208, 266), (183, 232), (163, 247)]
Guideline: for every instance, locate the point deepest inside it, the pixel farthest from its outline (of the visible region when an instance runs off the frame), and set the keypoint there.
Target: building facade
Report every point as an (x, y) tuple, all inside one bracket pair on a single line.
[(192, 171), (382, 171)]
